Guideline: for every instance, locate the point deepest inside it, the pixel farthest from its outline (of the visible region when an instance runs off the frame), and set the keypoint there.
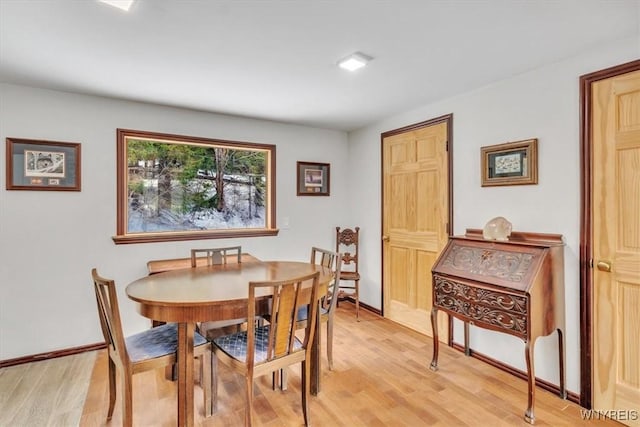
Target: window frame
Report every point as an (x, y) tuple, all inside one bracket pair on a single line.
[(122, 180)]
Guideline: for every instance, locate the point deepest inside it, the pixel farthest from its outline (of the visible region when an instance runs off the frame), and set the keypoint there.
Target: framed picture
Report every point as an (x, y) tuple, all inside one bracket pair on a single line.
[(43, 165), (513, 163), (313, 179)]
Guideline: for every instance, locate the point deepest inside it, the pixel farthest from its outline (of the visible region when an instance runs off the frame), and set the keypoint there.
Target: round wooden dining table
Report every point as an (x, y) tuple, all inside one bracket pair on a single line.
[(220, 292)]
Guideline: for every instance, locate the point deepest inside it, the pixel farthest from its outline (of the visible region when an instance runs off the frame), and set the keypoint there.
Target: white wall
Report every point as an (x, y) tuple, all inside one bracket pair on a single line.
[(543, 104), (50, 240)]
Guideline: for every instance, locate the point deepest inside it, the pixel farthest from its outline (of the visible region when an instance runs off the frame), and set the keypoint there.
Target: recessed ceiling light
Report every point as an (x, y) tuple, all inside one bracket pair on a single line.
[(120, 4), (354, 61)]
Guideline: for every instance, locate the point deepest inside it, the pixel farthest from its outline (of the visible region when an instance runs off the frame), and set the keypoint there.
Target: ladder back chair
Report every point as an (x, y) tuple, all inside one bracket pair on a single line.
[(328, 302), (212, 256), (217, 256), (332, 260), (147, 350), (269, 348), (347, 242)]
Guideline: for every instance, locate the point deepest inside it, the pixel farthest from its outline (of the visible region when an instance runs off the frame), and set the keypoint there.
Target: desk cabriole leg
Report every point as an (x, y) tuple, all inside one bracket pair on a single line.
[(434, 327), (531, 387), (563, 387)]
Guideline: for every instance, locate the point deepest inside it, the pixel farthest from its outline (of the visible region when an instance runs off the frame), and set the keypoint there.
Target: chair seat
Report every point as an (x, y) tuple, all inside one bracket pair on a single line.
[(303, 312), (349, 275), (235, 345), (156, 342)]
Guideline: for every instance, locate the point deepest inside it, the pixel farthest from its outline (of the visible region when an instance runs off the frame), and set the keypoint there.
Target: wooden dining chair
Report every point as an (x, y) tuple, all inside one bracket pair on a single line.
[(269, 348), (347, 242), (147, 350), (328, 303), (217, 256), (198, 257)]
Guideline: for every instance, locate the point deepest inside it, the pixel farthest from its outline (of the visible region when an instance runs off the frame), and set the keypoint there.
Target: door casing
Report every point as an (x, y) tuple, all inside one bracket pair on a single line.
[(586, 224)]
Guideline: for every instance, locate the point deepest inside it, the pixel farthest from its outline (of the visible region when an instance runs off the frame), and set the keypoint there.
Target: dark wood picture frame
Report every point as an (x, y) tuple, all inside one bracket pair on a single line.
[(43, 165), (512, 163), (313, 179)]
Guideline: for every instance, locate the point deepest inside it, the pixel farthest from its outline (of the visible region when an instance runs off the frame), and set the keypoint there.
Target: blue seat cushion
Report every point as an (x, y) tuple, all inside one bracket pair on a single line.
[(156, 342), (303, 312), (235, 345)]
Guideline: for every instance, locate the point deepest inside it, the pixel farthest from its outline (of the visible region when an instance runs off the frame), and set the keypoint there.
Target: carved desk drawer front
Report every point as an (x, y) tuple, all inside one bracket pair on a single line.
[(483, 307), (515, 287)]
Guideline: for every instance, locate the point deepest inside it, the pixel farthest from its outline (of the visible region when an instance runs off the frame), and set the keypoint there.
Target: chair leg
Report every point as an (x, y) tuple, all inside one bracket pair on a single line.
[(357, 282), (214, 383), (127, 400), (171, 372), (330, 342), (205, 382), (249, 410), (112, 387), (279, 380), (305, 388)]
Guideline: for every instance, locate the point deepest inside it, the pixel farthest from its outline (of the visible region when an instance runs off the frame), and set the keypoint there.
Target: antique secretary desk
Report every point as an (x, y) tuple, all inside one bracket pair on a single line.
[(515, 287)]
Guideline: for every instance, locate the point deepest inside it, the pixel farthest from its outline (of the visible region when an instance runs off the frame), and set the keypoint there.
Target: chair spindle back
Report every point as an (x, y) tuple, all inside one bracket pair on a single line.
[(109, 314), (332, 260), (216, 256)]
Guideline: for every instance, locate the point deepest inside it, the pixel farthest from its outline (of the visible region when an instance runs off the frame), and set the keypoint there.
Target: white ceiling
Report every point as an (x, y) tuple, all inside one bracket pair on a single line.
[(276, 59)]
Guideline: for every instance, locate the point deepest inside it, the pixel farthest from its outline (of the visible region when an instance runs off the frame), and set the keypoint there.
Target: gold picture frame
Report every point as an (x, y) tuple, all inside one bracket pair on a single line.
[(512, 163)]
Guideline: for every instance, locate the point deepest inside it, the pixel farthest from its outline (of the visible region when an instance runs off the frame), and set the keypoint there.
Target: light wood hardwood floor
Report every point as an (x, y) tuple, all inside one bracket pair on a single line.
[(381, 378), (46, 393)]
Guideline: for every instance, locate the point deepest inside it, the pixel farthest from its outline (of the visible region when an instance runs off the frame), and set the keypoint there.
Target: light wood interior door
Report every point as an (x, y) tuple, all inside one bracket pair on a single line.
[(616, 245), (415, 216)]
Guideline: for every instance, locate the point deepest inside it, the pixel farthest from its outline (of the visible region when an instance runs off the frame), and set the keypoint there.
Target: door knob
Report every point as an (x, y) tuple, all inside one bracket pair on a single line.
[(604, 265), (385, 238)]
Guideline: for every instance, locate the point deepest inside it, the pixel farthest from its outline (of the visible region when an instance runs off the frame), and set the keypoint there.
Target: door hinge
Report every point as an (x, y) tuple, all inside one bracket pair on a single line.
[(591, 263), (446, 145)]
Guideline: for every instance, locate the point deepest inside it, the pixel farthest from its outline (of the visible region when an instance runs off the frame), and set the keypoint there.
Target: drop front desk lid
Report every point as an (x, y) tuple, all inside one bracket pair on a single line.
[(512, 264)]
